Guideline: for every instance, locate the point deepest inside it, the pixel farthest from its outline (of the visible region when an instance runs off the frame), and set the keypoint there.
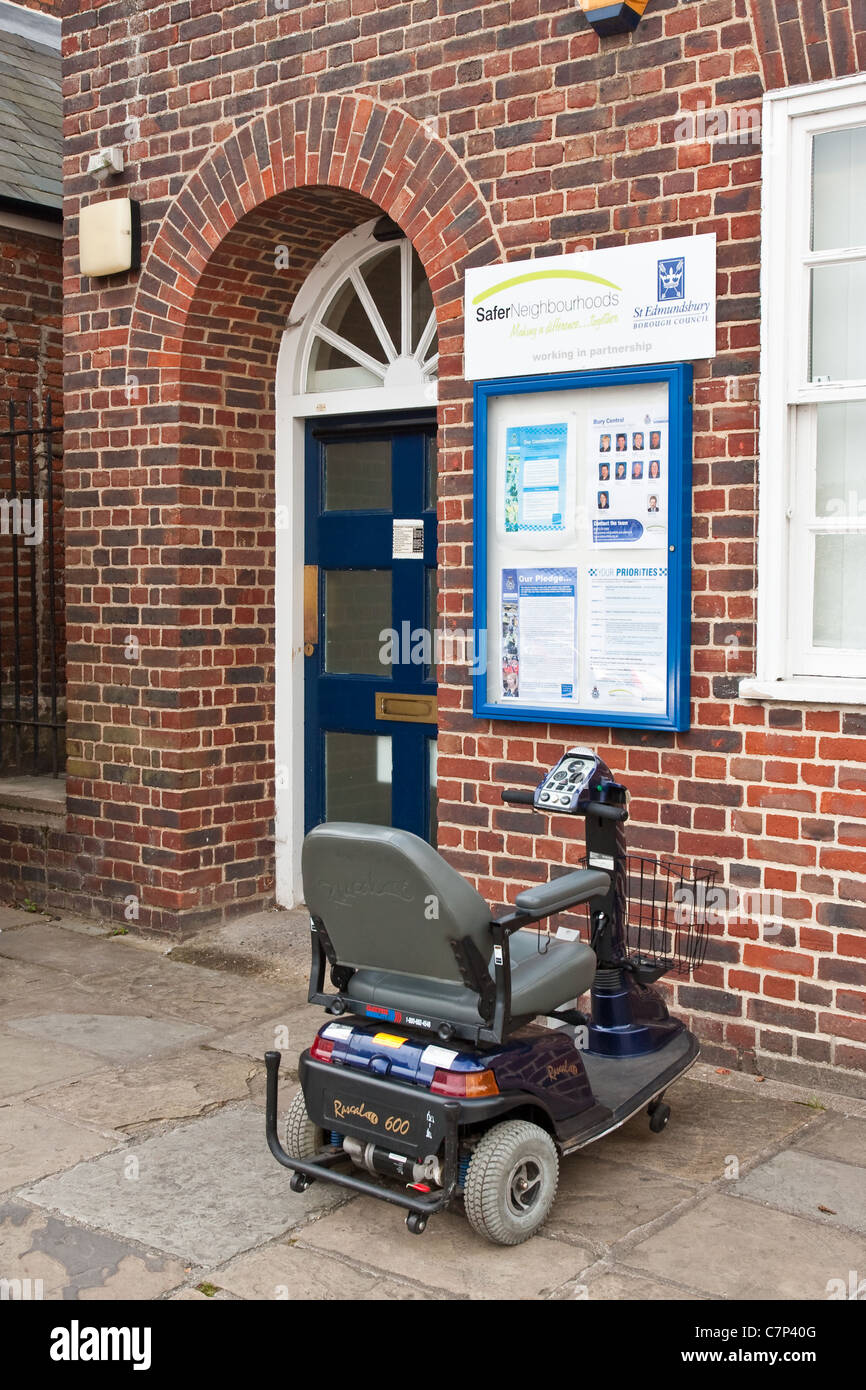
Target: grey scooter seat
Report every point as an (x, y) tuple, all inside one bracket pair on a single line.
[(391, 907)]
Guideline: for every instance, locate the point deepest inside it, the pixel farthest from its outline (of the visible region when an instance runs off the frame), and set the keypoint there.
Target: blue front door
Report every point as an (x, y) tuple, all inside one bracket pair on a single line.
[(370, 616)]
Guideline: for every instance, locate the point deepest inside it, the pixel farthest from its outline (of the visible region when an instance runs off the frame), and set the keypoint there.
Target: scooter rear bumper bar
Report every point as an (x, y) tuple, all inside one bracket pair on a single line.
[(320, 1168)]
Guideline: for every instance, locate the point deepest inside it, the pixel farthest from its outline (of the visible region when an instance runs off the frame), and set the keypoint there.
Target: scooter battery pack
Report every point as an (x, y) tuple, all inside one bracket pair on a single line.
[(368, 1108)]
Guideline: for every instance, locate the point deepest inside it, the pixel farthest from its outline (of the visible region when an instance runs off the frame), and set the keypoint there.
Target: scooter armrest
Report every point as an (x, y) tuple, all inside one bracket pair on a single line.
[(563, 892)]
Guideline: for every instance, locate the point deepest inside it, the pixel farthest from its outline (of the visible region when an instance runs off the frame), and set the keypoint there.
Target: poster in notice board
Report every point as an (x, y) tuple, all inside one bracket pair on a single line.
[(582, 547)]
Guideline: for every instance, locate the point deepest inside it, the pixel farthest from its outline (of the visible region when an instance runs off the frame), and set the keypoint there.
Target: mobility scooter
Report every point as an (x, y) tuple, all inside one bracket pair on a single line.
[(456, 1062)]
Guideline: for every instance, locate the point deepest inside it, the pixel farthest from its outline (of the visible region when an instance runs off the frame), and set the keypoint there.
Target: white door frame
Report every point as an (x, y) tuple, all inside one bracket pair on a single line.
[(293, 408)]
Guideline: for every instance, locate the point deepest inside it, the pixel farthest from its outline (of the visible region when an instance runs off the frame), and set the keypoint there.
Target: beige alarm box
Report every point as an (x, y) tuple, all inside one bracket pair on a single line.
[(109, 237)]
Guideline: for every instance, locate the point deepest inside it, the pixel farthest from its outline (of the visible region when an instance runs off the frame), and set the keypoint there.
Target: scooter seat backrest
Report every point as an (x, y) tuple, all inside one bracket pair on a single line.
[(388, 901)]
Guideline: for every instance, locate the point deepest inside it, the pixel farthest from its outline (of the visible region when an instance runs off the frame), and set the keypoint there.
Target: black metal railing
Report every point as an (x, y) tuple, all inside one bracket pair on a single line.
[(32, 714)]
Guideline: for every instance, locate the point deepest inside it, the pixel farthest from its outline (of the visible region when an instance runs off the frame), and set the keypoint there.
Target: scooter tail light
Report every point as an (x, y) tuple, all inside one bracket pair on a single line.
[(322, 1049), (467, 1085)]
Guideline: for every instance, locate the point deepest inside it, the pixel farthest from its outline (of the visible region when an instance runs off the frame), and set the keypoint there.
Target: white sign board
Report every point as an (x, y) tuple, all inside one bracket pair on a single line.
[(629, 305)]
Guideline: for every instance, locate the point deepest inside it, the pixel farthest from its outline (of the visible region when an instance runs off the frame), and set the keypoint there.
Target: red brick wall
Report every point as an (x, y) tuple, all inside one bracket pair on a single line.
[(499, 130), (31, 310)]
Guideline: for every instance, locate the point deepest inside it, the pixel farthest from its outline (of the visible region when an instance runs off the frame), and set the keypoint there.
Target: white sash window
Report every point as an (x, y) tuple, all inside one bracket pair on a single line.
[(812, 471)]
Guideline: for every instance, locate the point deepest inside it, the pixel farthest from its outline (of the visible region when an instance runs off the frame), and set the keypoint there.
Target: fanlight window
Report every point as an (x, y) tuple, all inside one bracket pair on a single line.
[(377, 327)]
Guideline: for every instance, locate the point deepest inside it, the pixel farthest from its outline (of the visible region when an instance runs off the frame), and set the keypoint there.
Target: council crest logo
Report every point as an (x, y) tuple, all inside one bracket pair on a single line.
[(672, 278)]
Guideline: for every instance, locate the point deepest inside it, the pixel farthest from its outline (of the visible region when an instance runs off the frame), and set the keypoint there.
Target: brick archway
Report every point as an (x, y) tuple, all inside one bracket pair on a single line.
[(797, 41), (348, 142), (177, 805)]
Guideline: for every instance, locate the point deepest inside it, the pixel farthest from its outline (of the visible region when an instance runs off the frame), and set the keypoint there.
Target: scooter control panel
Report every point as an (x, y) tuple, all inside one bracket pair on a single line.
[(571, 784)]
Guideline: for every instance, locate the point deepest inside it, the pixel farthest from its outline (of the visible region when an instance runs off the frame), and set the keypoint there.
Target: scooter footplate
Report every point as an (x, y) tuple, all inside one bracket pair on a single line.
[(624, 1085)]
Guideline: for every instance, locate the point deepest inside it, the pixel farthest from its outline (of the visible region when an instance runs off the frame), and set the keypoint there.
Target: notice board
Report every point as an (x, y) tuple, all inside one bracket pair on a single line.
[(582, 563)]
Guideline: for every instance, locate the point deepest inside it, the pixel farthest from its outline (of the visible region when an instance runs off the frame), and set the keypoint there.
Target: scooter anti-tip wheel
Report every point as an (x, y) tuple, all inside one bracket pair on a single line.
[(299, 1182), (659, 1116), (417, 1223), (511, 1183)]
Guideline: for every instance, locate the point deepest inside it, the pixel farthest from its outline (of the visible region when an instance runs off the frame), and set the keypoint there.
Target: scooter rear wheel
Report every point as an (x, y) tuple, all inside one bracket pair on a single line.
[(303, 1138), (511, 1182)]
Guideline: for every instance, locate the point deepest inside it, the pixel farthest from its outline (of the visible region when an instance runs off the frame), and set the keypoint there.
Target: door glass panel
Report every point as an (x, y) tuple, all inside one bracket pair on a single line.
[(839, 189), (358, 778), (357, 613), (358, 475), (839, 613), (838, 343), (840, 475), (382, 276), (434, 796)]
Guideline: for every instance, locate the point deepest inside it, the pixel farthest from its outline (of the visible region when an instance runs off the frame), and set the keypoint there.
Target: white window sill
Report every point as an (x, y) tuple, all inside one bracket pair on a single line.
[(806, 690)]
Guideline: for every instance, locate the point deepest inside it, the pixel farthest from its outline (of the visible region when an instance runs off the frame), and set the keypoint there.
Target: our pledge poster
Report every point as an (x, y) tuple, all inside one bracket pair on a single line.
[(627, 481), (627, 656), (539, 635), (535, 478)]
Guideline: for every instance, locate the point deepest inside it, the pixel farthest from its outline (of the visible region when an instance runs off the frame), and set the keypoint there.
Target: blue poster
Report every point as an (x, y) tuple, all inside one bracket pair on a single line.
[(535, 478), (539, 635)]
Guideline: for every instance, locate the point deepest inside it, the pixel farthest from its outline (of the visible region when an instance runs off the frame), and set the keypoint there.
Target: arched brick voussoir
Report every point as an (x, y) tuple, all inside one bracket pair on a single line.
[(341, 141)]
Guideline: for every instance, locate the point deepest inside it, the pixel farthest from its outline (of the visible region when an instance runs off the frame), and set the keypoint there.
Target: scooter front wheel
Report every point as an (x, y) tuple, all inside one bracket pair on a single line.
[(511, 1182)]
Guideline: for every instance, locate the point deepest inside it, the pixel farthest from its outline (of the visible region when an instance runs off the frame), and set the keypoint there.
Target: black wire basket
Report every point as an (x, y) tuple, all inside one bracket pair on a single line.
[(667, 914)]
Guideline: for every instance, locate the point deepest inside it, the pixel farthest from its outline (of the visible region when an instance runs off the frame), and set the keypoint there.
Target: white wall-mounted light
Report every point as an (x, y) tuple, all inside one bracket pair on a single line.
[(109, 237), (106, 162)]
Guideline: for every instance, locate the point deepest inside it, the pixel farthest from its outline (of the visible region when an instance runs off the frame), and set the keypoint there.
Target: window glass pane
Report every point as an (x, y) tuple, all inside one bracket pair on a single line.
[(422, 304), (839, 189), (358, 476), (332, 370), (348, 317), (840, 476), (382, 277), (838, 342), (839, 613), (358, 778), (357, 612)]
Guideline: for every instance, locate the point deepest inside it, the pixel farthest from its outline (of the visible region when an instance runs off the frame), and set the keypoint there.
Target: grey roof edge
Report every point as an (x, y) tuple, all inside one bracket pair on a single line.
[(30, 24), (48, 209)]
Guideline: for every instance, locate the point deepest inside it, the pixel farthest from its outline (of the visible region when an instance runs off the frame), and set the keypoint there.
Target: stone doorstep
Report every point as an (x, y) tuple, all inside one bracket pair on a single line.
[(42, 797)]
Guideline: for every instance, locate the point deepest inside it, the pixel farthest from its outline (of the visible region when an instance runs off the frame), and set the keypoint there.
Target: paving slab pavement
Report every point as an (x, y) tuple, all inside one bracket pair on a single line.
[(839, 1136), (282, 1271), (33, 1143), (172, 1088), (28, 1065), (288, 1032), (708, 1127), (600, 1202), (113, 1037), (134, 1161), (820, 1188), (72, 1263), (738, 1249), (204, 1191), (449, 1256)]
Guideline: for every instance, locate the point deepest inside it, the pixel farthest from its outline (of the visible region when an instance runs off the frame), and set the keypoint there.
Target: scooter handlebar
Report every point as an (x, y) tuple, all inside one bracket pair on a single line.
[(519, 796)]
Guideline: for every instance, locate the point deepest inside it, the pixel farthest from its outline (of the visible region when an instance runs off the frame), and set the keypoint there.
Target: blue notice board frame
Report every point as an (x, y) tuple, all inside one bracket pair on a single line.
[(678, 378)]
